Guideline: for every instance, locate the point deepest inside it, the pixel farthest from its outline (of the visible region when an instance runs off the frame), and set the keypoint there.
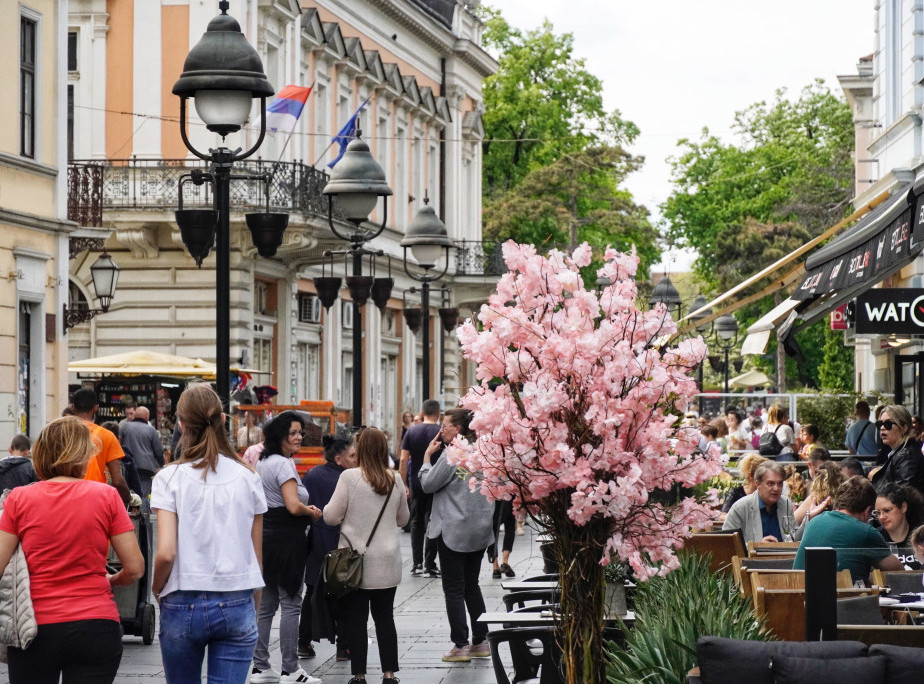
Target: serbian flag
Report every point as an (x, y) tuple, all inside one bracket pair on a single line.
[(346, 134), (283, 112)]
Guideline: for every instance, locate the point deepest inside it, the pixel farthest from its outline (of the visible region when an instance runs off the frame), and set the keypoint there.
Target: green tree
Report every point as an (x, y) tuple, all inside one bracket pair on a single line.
[(540, 105), (793, 165), (574, 199)]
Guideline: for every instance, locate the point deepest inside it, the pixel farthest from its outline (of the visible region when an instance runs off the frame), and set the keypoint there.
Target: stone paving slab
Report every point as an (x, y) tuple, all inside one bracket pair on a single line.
[(420, 618)]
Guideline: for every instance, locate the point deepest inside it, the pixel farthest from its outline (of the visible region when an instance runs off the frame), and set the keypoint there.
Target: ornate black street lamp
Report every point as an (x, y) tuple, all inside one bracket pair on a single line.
[(665, 293), (726, 335), (223, 74), (105, 275), (702, 328), (429, 241), (357, 182)]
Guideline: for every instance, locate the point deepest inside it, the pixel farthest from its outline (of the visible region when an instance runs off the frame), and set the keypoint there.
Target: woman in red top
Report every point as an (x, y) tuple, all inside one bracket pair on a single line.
[(66, 524)]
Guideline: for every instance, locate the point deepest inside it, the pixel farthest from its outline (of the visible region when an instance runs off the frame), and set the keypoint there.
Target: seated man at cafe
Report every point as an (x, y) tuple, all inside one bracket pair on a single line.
[(859, 547), (763, 514)]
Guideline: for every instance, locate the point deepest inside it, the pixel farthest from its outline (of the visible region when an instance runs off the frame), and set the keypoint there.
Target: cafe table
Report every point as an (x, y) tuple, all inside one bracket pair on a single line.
[(895, 605), (522, 585), (534, 619)]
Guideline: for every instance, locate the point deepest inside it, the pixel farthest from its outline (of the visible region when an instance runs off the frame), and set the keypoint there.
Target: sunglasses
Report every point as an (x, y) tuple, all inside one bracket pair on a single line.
[(887, 424)]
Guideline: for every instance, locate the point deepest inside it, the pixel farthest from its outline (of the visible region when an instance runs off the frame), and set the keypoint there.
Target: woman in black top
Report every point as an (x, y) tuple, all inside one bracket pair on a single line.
[(905, 463)]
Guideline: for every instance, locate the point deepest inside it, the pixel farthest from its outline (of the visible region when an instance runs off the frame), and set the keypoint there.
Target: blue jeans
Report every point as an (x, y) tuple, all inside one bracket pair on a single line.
[(223, 621)]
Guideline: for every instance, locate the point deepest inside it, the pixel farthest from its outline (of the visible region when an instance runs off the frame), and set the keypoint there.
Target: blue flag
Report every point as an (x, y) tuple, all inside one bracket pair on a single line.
[(346, 134)]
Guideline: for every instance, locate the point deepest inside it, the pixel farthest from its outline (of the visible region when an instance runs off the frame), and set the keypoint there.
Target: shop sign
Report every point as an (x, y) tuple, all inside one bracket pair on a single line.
[(890, 311), (839, 318)]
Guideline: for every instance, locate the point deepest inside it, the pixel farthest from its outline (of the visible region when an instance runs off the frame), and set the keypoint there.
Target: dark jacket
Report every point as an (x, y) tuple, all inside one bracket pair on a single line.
[(143, 441), (904, 466), (320, 481), (16, 471)]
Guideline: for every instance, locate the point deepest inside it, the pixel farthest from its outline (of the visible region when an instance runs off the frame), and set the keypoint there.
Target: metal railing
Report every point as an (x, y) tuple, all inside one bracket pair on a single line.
[(479, 257), (97, 186)]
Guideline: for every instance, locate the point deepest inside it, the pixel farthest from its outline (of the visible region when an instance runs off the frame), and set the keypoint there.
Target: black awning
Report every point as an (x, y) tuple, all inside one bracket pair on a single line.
[(876, 246)]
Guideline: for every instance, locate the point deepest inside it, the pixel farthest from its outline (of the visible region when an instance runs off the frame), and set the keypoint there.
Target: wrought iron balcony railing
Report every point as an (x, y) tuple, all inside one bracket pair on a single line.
[(97, 186), (479, 257)]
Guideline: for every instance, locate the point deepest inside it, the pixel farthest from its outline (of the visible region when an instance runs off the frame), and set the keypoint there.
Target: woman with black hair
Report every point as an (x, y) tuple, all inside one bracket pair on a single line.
[(320, 482), (285, 550), (899, 510)]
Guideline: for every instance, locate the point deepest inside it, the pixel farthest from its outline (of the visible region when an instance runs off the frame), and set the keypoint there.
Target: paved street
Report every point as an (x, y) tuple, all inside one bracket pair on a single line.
[(423, 634)]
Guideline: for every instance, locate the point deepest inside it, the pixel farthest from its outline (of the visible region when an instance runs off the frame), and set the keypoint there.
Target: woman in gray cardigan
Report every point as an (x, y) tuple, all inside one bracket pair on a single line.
[(461, 521), (361, 494)]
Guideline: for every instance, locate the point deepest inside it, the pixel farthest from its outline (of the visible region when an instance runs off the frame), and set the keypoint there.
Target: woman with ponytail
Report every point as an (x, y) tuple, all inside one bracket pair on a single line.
[(207, 576)]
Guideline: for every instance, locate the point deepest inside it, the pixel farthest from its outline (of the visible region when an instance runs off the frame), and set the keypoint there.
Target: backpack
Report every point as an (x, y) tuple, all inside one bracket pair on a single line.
[(768, 444)]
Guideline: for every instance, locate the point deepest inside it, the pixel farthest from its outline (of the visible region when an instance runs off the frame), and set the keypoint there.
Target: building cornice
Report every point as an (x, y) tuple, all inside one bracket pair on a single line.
[(27, 164), (40, 223)]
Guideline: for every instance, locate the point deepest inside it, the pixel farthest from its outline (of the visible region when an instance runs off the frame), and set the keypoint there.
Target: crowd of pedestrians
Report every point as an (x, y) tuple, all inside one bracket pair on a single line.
[(240, 538)]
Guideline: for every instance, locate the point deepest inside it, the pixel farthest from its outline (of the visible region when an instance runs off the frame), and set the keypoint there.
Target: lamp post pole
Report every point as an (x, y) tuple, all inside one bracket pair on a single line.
[(726, 331), (426, 237), (702, 328), (223, 74), (357, 182)]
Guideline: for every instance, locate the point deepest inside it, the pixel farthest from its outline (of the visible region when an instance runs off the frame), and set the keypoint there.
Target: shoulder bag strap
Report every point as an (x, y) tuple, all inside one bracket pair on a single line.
[(863, 432), (381, 512)]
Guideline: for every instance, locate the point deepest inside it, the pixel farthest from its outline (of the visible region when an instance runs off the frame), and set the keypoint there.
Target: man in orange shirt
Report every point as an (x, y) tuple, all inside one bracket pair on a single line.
[(109, 457)]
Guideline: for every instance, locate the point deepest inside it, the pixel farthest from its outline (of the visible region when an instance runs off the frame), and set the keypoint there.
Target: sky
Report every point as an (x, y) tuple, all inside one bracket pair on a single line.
[(676, 66)]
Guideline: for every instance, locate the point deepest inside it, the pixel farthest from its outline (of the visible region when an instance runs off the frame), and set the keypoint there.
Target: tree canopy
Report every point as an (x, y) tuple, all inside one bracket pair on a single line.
[(744, 206), (576, 199), (554, 162), (793, 166)]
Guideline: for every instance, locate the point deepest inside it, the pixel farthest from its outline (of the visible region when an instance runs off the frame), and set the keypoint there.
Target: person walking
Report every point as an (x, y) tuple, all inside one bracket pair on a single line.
[(503, 515), (371, 497), (413, 446), (861, 435), (461, 523), (285, 548), (106, 465), (320, 483), (16, 469), (207, 578), (142, 440), (66, 525)]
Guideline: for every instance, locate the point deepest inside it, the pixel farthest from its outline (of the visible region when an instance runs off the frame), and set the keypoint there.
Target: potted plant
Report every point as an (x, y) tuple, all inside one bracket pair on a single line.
[(578, 415)]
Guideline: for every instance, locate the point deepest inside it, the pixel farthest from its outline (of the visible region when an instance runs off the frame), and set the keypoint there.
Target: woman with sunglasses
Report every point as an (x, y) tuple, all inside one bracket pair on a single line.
[(899, 509), (285, 548), (905, 463)]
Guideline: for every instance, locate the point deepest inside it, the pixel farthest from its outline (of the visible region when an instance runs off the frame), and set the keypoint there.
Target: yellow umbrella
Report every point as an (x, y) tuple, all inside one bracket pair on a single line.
[(753, 378), (144, 363)]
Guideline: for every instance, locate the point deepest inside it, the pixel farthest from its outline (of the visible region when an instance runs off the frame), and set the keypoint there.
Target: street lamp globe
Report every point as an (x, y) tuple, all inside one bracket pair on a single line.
[(105, 276), (698, 303), (427, 238), (223, 73), (726, 327), (665, 293), (357, 182)]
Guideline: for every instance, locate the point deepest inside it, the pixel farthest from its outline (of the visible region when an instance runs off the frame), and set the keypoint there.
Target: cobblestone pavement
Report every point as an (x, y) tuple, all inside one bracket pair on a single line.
[(420, 617)]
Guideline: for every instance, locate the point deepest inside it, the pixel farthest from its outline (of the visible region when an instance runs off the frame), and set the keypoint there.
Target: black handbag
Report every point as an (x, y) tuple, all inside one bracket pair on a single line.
[(343, 568)]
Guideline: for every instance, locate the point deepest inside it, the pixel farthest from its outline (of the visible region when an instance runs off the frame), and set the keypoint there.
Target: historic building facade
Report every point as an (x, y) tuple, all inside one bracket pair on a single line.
[(418, 66), (33, 210)]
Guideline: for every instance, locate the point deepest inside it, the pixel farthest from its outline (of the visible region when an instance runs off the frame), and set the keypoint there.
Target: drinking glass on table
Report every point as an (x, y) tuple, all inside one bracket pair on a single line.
[(788, 526)]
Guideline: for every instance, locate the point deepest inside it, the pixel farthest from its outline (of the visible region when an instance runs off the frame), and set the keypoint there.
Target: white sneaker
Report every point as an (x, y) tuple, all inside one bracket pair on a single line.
[(269, 676), (298, 677)]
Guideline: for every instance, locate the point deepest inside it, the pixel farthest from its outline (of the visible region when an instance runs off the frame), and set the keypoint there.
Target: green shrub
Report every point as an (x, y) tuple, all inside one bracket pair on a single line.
[(830, 414), (671, 613)]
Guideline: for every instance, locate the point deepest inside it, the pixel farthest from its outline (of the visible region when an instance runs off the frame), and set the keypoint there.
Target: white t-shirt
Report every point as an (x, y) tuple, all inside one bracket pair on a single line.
[(214, 518)]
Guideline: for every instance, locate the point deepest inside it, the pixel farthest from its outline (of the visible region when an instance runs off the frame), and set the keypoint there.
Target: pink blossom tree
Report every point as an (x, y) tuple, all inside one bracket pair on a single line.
[(577, 414)]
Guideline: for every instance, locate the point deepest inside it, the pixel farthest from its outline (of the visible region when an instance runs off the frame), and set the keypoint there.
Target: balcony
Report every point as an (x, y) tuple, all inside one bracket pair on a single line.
[(95, 187), (479, 258)]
